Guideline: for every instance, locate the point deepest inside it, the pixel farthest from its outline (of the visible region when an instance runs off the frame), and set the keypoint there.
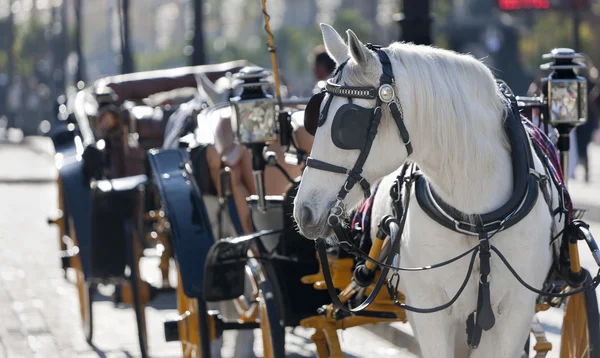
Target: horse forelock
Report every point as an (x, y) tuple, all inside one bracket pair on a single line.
[(354, 74)]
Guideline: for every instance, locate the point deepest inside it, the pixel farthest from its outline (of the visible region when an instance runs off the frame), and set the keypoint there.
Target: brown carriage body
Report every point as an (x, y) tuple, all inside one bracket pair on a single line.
[(142, 126), (140, 85)]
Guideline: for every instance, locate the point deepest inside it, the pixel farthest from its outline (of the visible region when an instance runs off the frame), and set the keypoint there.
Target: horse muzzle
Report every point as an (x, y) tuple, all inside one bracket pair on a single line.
[(312, 224)]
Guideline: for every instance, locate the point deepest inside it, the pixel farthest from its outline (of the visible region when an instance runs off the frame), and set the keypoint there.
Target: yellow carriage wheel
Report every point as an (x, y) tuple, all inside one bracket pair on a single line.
[(265, 328), (63, 226), (195, 338), (83, 289), (188, 328), (139, 288), (580, 336), (270, 317)]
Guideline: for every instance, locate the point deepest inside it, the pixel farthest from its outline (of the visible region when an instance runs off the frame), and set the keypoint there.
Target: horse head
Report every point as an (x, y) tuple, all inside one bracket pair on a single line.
[(381, 105)]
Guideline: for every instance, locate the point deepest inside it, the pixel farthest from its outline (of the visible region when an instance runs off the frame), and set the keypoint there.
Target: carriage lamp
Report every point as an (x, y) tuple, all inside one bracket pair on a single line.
[(565, 91), (254, 119), (565, 97), (254, 122)]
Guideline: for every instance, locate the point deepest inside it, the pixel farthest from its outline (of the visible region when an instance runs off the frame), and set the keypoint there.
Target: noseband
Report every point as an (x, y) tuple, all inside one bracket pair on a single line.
[(355, 127)]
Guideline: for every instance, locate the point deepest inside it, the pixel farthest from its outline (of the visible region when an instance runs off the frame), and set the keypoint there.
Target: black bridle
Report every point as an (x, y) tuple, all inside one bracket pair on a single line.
[(385, 95)]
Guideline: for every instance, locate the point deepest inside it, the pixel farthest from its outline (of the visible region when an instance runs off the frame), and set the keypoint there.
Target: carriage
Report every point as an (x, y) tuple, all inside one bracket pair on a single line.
[(107, 217), (242, 264)]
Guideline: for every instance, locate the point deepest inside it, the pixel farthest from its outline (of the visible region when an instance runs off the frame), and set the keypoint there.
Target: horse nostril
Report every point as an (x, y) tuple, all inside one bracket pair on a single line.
[(307, 217)]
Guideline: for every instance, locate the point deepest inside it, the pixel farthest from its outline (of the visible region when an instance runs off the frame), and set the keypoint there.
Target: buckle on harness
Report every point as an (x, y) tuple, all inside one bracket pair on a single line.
[(336, 212), (392, 286), (471, 229), (541, 178)]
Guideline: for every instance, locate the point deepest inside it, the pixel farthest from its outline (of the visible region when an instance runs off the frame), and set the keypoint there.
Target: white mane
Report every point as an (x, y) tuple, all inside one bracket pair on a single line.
[(447, 96)]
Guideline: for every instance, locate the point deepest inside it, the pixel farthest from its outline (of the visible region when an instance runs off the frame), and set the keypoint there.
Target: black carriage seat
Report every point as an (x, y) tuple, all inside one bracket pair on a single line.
[(113, 221)]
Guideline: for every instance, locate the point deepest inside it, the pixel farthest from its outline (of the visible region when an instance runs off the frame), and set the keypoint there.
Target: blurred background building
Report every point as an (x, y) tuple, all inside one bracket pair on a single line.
[(49, 45)]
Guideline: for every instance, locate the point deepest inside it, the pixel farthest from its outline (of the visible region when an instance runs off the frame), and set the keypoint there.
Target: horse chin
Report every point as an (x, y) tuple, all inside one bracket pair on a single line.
[(314, 232)]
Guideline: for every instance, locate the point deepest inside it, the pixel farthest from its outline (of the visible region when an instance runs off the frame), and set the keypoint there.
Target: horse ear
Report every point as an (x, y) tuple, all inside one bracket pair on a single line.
[(206, 87), (358, 51), (334, 44)]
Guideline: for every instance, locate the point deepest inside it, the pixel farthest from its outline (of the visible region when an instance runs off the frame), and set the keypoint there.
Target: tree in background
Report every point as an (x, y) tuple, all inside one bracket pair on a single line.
[(31, 45), (543, 36)]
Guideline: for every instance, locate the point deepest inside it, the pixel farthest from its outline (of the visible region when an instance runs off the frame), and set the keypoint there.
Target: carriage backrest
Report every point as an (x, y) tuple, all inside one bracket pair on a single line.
[(140, 85)]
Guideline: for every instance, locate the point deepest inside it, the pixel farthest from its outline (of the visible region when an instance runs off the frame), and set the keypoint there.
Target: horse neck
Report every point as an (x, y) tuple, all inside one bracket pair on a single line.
[(473, 171)]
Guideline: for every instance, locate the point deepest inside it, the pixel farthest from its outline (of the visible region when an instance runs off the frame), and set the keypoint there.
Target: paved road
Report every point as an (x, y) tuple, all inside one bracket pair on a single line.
[(39, 309)]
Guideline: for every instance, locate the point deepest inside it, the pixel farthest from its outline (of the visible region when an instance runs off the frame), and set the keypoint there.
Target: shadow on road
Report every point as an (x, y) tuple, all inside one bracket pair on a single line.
[(103, 354)]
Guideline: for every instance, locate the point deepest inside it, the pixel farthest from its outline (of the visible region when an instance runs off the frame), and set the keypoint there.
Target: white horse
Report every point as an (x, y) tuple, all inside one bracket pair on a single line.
[(454, 113)]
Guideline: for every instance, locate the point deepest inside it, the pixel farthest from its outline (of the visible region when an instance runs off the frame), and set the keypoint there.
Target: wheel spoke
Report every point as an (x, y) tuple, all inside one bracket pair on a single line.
[(575, 342)]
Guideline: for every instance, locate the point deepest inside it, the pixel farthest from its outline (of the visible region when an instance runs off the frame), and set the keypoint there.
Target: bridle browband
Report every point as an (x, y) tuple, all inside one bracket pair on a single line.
[(385, 94)]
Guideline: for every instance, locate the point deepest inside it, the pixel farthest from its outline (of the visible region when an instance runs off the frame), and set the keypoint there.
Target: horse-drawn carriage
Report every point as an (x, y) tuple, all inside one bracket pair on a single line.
[(223, 186), (107, 215)]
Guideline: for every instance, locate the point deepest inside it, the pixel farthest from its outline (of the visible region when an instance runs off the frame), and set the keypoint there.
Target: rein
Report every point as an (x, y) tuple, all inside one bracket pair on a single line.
[(483, 317)]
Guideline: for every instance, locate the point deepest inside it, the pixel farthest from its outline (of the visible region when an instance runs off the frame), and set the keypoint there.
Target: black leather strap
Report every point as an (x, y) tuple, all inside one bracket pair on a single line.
[(322, 252), (485, 314), (350, 91), (399, 119), (387, 75), (353, 177), (483, 318), (321, 165)]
